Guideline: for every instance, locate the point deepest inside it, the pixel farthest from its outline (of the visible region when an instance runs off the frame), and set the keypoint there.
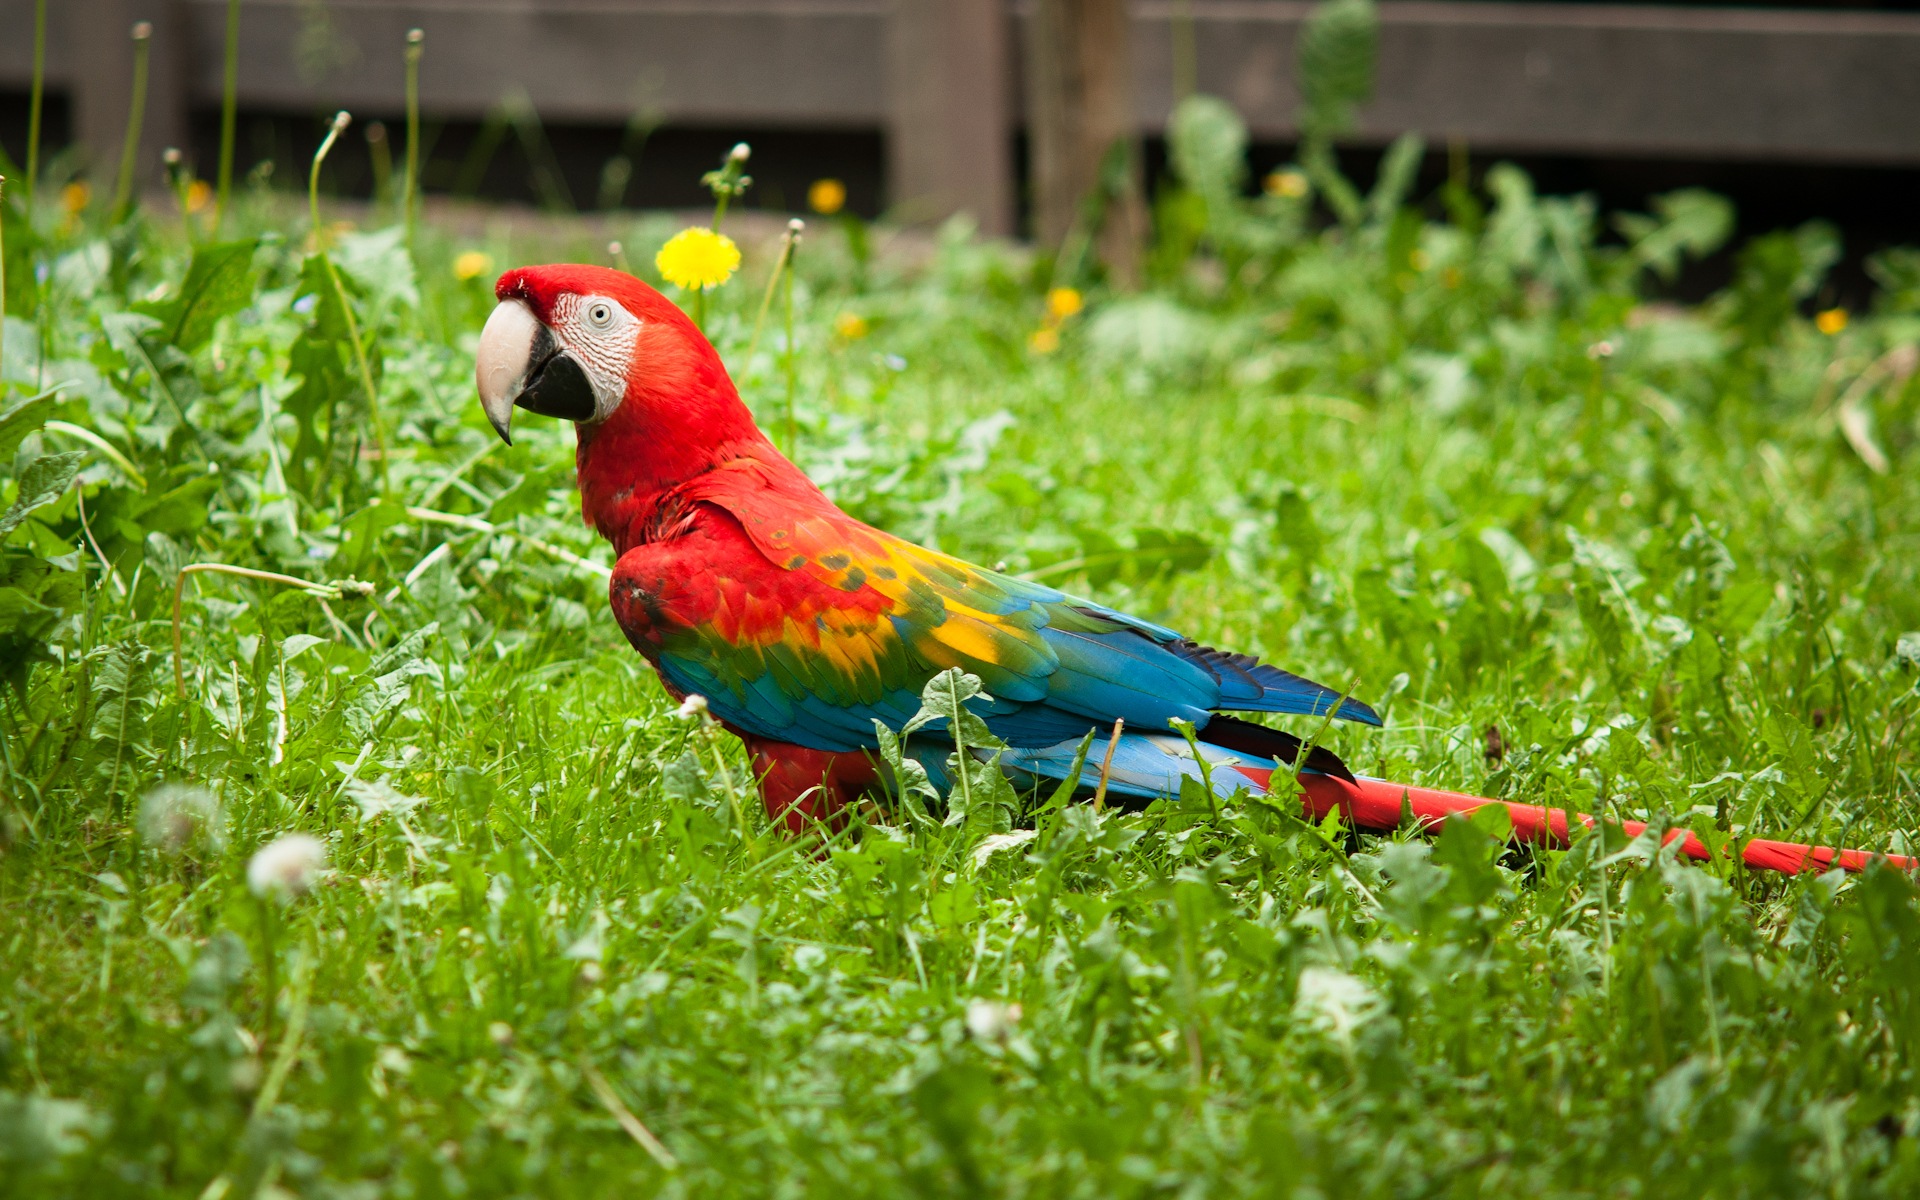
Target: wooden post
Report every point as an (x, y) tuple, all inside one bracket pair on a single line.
[(949, 125), (1080, 114), (100, 68)]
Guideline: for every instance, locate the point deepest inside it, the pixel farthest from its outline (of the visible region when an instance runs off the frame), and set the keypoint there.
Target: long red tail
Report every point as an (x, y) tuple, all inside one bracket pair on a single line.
[(1376, 804)]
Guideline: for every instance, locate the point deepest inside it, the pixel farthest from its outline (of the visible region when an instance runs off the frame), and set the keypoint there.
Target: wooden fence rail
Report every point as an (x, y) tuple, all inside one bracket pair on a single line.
[(940, 77)]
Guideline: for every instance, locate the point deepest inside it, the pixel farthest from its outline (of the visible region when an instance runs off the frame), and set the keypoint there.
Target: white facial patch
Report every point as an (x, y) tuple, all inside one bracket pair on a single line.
[(600, 333)]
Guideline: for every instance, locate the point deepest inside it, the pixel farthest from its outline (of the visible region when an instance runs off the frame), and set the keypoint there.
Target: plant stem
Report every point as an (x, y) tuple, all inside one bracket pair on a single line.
[(136, 116), (99, 443), (34, 104), (793, 436), (3, 287), (1185, 57), (325, 591), (1106, 764), (270, 969), (787, 241), (460, 521), (334, 130), (227, 115), (416, 47), (340, 121)]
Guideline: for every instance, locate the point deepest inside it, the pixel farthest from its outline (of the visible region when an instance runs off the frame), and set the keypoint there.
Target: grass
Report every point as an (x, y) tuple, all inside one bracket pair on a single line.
[(558, 950)]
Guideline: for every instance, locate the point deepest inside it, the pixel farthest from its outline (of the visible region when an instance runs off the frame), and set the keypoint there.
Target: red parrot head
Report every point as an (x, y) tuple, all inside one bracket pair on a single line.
[(564, 340), (648, 394)]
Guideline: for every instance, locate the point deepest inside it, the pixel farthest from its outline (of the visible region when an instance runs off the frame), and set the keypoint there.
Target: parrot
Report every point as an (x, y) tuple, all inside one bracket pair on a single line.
[(805, 631)]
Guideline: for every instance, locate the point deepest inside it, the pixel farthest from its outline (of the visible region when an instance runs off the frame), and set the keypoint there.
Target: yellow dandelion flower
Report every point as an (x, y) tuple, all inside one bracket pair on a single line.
[(1063, 302), (1832, 321), (1420, 260), (472, 265), (851, 326), (1289, 183), (1045, 340), (199, 195), (827, 196), (698, 258), (75, 196)]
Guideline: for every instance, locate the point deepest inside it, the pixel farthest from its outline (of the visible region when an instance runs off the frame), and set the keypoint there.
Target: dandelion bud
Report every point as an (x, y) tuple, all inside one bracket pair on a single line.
[(740, 153), (692, 708), (416, 36), (341, 120), (142, 30), (795, 228), (171, 156), (287, 866)]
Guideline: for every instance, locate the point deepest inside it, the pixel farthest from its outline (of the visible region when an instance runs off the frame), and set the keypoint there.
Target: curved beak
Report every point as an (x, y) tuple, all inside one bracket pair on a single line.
[(521, 365)]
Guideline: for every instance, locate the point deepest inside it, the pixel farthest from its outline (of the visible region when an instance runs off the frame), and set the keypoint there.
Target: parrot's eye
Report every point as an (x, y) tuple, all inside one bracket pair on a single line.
[(600, 315)]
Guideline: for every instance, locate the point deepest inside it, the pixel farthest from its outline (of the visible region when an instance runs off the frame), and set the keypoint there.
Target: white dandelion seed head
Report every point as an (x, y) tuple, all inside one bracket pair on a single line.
[(692, 708), (991, 1020), (287, 866), (174, 816)]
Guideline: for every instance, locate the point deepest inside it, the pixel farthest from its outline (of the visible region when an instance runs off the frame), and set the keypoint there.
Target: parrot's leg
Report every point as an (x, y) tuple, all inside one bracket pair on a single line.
[(805, 789)]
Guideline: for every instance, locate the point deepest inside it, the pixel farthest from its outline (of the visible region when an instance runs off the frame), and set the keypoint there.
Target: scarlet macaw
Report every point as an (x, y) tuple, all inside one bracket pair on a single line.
[(741, 582)]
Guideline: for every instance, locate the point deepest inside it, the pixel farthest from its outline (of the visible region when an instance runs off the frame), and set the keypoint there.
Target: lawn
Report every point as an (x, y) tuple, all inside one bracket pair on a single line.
[(1579, 545)]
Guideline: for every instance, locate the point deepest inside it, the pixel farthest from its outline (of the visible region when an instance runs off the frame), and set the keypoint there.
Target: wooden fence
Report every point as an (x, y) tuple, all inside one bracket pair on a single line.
[(941, 77)]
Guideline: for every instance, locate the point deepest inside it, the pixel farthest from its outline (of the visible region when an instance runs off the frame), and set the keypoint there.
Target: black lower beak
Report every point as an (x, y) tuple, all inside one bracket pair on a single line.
[(558, 388)]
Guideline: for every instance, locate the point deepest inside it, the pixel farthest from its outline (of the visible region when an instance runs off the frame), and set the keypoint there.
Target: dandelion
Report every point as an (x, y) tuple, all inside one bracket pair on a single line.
[(174, 816), (692, 708), (75, 197), (1831, 321), (500, 1033), (990, 1020), (1063, 302), (471, 265), (851, 326), (1420, 260), (199, 195), (1045, 340), (287, 866), (1288, 183), (827, 196), (1335, 1002), (698, 259)]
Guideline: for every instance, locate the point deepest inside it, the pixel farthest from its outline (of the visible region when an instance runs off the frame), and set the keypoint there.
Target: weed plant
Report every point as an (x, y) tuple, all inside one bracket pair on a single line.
[(1583, 549)]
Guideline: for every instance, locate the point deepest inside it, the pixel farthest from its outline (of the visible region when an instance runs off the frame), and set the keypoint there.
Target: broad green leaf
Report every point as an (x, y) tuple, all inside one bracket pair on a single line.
[(945, 699), (219, 283), (43, 481), (22, 419)]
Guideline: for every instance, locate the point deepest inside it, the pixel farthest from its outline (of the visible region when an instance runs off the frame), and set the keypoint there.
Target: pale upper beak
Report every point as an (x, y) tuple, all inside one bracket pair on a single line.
[(521, 365)]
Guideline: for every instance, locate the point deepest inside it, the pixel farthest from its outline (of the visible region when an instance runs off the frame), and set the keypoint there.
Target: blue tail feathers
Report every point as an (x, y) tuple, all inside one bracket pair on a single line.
[(1249, 685)]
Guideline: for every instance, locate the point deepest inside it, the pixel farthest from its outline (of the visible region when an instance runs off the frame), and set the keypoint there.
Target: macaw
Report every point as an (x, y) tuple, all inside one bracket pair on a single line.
[(742, 583)]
